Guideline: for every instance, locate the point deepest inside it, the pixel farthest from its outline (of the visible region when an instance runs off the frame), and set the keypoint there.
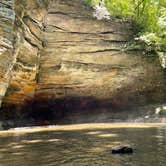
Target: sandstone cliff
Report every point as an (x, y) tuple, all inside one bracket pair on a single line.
[(55, 57), (7, 16), (22, 31)]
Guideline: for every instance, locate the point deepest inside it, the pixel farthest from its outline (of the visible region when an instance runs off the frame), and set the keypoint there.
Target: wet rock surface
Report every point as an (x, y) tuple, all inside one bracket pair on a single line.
[(122, 149)]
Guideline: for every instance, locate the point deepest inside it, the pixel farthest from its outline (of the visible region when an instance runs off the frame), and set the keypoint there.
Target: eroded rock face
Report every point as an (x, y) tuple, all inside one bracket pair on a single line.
[(7, 18), (27, 28), (84, 57), (67, 59)]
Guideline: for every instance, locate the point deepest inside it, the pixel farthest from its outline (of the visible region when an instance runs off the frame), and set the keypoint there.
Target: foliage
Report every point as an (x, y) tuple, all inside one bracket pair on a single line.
[(120, 8), (149, 17), (92, 2)]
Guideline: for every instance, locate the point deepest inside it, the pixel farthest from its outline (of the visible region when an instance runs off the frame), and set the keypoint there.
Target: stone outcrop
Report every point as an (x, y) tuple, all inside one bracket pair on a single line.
[(7, 57), (25, 40), (122, 149), (63, 58), (85, 57)]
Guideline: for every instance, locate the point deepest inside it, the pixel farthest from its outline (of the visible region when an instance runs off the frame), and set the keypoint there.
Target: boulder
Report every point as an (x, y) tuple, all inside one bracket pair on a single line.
[(122, 149)]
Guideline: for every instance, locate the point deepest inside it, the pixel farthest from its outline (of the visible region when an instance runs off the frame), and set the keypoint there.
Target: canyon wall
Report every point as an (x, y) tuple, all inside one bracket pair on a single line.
[(7, 37), (58, 57), (22, 32)]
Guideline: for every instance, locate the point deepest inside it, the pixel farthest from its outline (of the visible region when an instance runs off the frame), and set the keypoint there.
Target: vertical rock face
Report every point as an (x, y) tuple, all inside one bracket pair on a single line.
[(7, 18), (27, 27), (62, 58), (83, 58)]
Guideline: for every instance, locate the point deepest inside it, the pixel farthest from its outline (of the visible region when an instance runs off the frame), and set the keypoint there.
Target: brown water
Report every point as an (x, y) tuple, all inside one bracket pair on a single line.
[(84, 145)]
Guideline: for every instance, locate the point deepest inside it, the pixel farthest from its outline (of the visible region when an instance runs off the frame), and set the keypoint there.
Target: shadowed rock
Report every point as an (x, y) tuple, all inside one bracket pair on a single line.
[(63, 53), (122, 149)]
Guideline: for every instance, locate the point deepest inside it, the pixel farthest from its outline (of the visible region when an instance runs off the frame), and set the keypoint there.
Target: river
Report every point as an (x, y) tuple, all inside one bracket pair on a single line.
[(83, 145)]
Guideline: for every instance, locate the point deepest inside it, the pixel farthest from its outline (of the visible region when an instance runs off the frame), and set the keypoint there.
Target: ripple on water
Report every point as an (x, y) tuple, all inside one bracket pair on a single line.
[(84, 145)]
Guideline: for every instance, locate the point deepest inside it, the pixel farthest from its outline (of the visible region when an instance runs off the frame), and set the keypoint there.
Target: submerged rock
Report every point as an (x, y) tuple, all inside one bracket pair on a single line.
[(122, 149)]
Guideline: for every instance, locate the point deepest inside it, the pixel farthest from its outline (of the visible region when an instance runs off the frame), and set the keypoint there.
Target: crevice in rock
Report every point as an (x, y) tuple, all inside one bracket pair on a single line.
[(98, 51)]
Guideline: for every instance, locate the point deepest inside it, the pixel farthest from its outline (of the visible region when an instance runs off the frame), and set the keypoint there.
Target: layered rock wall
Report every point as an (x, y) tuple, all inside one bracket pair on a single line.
[(85, 58), (24, 36), (57, 57), (7, 38)]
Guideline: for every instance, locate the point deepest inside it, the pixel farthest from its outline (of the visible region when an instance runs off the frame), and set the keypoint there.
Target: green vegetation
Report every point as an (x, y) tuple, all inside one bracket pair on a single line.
[(149, 17)]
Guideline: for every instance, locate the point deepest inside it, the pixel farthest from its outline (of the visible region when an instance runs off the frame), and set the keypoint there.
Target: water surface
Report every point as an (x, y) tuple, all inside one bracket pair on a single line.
[(84, 145)]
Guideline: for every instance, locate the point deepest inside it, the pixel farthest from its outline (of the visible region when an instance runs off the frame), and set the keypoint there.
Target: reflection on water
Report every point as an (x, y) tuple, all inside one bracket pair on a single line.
[(84, 146)]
